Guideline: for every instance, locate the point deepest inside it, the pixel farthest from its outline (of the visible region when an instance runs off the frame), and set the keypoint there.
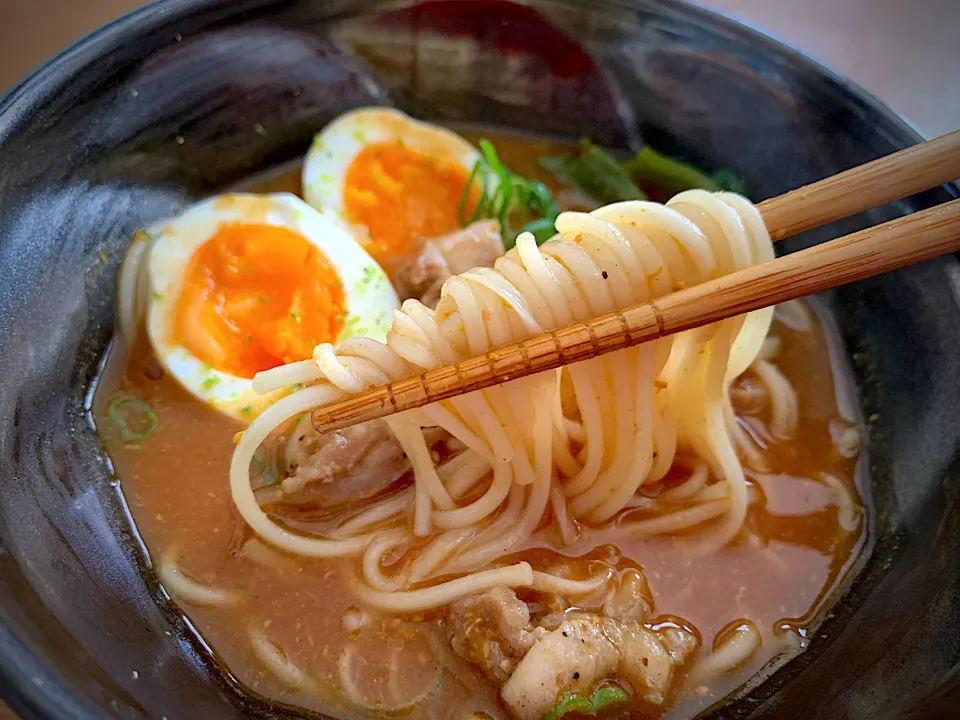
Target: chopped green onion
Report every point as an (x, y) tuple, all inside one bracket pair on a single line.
[(465, 195), (505, 185), (514, 195), (673, 176), (609, 696), (542, 230), (570, 703), (596, 172), (605, 697), (143, 420)]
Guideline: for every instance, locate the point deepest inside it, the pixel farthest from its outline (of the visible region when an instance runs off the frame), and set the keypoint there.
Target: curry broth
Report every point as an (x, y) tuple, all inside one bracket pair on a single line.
[(779, 574)]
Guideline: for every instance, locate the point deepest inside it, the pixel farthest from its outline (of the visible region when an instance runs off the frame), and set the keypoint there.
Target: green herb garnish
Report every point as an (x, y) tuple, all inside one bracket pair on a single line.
[(674, 176), (211, 382), (133, 416), (596, 172), (609, 696), (571, 703), (514, 201), (606, 697), (259, 129)]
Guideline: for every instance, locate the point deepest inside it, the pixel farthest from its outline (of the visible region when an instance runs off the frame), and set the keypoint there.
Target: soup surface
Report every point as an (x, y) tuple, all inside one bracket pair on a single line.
[(800, 541)]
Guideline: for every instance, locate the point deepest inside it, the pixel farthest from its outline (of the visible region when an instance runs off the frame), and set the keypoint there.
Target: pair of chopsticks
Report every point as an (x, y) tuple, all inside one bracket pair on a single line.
[(876, 250)]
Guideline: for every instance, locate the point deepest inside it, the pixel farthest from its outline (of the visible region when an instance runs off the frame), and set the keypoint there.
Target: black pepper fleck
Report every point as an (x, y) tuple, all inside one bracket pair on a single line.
[(576, 676), (604, 273)]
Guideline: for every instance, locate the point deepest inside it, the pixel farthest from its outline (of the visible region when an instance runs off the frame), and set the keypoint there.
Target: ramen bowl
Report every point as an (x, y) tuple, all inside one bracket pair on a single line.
[(181, 100)]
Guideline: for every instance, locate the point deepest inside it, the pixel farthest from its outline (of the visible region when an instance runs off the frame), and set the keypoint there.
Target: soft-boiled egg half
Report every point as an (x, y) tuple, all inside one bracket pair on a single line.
[(392, 179), (243, 283)]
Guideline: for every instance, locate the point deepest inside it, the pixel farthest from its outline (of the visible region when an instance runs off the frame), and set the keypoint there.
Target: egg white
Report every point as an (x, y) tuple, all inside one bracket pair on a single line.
[(338, 144), (369, 298)]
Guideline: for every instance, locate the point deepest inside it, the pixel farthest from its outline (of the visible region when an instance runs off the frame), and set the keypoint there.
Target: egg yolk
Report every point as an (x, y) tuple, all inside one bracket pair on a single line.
[(403, 197), (255, 297)]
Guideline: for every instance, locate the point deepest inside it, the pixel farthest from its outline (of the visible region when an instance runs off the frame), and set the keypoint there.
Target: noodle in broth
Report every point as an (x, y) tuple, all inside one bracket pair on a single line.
[(663, 459)]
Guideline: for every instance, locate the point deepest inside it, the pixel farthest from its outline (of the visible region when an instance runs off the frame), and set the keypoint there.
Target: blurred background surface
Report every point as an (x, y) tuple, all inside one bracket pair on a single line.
[(905, 53)]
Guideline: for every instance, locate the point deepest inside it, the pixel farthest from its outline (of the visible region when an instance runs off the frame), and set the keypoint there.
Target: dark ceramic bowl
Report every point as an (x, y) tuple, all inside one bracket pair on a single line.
[(162, 107)]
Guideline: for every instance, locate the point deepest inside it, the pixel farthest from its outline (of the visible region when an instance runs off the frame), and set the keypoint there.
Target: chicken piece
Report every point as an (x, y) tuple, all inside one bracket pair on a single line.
[(351, 464), (632, 599), (477, 245), (584, 651), (367, 454), (574, 657), (679, 641), (645, 662), (492, 630)]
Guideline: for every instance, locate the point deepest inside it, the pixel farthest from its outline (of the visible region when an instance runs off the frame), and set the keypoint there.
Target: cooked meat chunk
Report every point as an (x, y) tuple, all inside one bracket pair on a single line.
[(367, 453), (575, 656), (582, 652), (681, 643), (477, 245), (351, 464), (645, 662), (631, 600), (492, 630)]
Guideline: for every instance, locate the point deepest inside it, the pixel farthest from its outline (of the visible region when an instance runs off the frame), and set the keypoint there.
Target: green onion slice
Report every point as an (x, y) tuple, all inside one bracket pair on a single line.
[(135, 418)]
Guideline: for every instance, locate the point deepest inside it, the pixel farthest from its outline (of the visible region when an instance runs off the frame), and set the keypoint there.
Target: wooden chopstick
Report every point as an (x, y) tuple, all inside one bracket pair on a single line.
[(872, 251), (866, 186)]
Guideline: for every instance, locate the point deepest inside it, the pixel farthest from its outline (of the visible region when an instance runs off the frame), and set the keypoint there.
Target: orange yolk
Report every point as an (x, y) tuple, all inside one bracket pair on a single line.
[(257, 296), (403, 197)]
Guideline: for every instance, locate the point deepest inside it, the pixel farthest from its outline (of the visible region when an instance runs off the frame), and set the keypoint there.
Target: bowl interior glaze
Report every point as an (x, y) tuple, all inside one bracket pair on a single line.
[(159, 109)]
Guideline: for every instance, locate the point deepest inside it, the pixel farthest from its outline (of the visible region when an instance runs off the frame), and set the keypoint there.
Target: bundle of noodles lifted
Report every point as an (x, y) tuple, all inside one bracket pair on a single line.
[(569, 459)]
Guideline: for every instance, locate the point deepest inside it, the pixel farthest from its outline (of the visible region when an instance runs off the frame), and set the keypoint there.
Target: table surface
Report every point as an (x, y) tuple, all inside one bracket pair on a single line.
[(905, 53)]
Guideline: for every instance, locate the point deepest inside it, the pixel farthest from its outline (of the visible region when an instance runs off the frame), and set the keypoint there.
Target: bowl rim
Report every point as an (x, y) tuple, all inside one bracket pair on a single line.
[(34, 689)]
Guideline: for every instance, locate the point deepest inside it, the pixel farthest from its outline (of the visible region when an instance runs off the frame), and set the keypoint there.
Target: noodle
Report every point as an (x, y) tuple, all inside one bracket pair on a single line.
[(783, 399), (380, 546), (734, 648), (677, 521), (189, 590), (544, 582), (281, 666), (524, 451), (689, 487), (132, 289), (848, 511), (409, 601)]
